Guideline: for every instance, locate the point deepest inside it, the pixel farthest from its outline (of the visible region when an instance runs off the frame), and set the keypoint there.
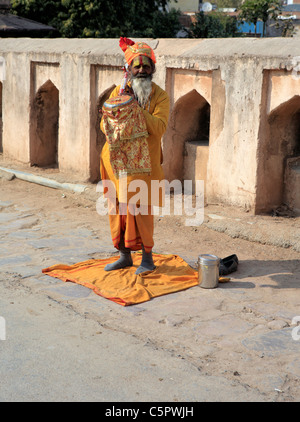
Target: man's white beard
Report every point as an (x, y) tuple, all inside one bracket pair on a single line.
[(142, 88)]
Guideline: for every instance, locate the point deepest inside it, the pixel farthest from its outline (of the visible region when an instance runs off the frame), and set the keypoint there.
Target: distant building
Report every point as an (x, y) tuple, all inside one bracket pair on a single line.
[(290, 11), (15, 26)]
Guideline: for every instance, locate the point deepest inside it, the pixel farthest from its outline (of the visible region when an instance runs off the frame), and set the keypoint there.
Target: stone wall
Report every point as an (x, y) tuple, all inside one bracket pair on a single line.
[(234, 120)]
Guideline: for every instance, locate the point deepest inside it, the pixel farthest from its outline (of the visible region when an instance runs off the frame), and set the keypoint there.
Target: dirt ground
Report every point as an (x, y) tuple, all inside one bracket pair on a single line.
[(268, 248)]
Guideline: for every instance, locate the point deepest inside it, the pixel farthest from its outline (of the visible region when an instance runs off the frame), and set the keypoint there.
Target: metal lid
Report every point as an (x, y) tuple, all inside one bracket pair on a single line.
[(208, 259)]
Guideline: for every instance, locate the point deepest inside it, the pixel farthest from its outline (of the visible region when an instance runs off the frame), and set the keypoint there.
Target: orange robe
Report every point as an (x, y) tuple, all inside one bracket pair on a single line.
[(139, 229)]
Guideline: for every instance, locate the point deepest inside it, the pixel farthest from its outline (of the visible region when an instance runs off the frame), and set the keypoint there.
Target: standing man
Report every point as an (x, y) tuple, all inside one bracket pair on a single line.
[(133, 229)]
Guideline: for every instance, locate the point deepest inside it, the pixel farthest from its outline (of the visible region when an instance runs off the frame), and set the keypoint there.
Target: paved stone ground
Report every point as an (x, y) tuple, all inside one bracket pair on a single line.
[(233, 343)]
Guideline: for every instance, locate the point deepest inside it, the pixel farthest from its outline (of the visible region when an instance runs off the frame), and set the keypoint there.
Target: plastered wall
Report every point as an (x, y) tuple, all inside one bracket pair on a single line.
[(226, 96)]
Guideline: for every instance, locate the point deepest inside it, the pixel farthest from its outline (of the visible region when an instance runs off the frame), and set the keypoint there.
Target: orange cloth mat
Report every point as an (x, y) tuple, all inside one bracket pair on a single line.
[(124, 286)]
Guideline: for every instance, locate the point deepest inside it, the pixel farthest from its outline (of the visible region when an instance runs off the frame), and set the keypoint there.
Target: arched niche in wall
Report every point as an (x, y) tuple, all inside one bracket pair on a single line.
[(278, 148), (98, 139), (282, 152), (187, 133), (44, 123)]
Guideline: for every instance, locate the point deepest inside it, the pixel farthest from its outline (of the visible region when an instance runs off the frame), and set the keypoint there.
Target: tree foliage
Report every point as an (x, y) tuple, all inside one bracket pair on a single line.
[(214, 25), (228, 3), (102, 18), (254, 10)]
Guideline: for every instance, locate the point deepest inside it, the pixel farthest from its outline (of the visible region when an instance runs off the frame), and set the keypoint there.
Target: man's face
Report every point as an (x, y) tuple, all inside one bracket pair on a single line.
[(141, 67)]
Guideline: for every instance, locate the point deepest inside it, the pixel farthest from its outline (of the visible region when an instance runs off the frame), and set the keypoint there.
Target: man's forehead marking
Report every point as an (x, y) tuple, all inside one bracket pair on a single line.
[(140, 61)]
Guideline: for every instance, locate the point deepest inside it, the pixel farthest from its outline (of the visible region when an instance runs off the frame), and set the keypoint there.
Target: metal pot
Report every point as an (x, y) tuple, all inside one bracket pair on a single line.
[(208, 271)]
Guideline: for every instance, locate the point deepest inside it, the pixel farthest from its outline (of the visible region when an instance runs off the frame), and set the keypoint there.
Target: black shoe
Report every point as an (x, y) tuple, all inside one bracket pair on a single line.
[(228, 265)]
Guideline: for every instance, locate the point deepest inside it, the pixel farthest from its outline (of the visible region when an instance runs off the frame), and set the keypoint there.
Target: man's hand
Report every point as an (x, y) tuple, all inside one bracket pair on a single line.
[(128, 91)]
